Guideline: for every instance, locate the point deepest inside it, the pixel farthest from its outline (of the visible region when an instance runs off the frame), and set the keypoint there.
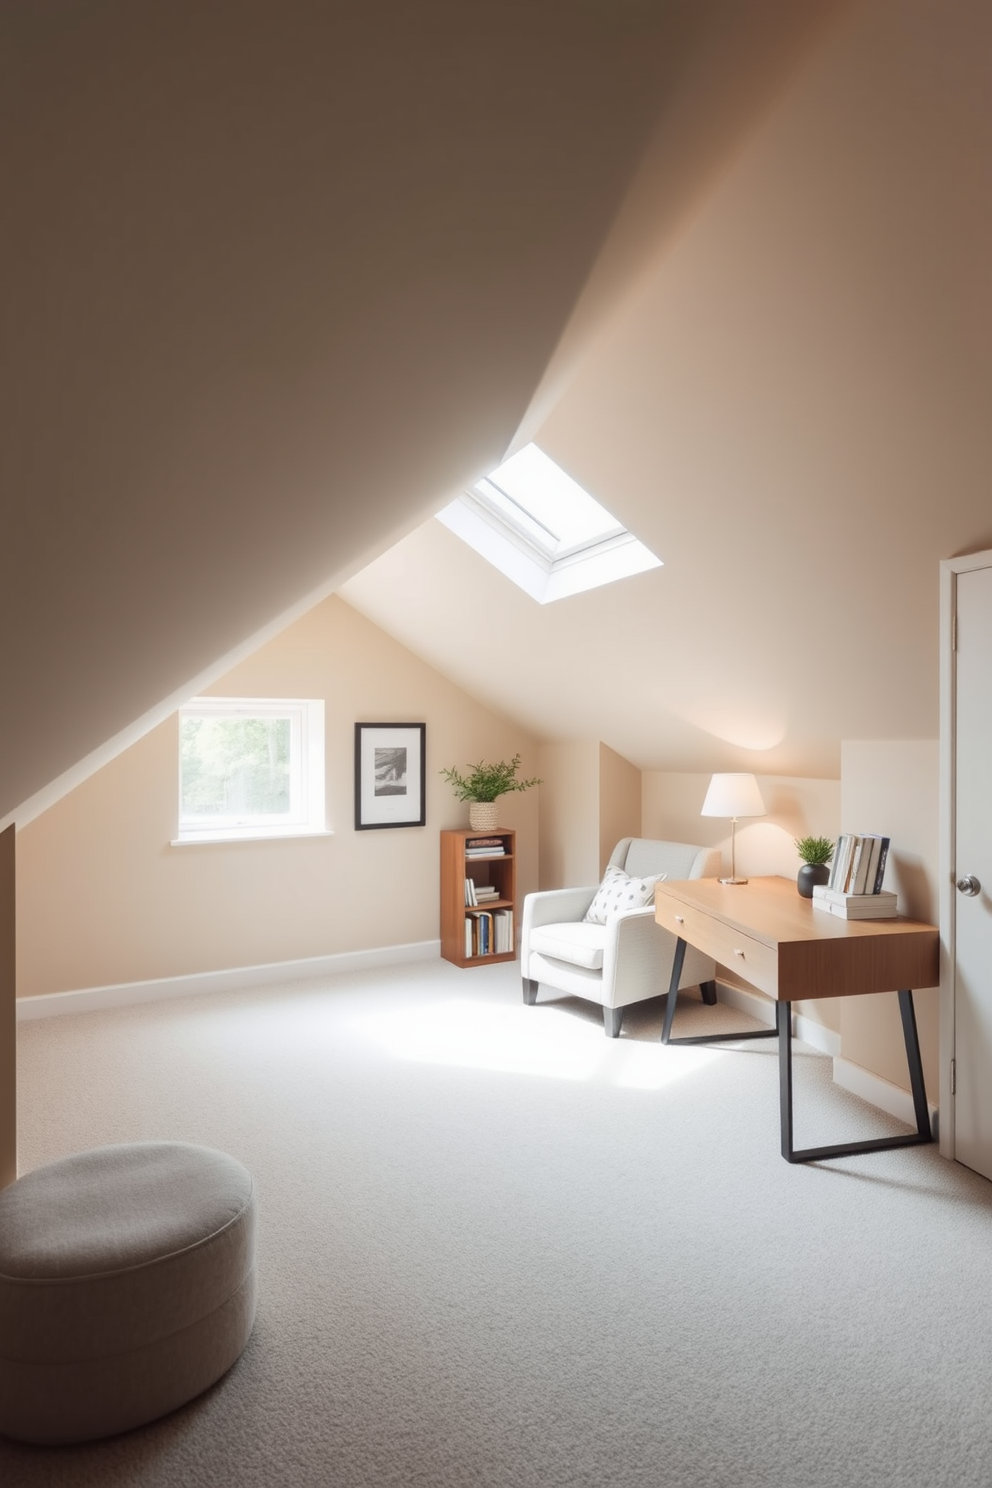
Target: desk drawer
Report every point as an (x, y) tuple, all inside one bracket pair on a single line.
[(756, 962)]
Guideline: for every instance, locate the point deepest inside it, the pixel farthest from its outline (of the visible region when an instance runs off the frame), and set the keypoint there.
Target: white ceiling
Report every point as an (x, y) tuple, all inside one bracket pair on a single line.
[(794, 411)]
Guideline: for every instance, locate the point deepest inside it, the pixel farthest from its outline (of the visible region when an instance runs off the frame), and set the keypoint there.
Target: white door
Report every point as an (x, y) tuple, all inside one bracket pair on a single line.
[(972, 865)]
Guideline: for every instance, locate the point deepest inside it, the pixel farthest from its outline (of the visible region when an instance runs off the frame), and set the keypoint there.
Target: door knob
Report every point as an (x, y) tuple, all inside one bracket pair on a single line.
[(969, 886)]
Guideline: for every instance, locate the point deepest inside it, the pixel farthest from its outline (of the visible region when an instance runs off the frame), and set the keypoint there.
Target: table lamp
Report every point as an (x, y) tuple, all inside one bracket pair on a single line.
[(733, 796)]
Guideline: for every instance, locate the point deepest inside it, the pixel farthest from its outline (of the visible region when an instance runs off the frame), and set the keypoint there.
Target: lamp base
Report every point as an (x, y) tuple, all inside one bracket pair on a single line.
[(733, 880)]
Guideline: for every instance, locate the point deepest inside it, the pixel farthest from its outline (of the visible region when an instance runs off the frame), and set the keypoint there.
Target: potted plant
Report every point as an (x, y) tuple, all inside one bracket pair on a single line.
[(816, 853), (483, 785)]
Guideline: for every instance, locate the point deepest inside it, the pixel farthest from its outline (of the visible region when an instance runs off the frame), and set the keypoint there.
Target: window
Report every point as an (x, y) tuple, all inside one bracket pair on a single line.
[(250, 767), (539, 527)]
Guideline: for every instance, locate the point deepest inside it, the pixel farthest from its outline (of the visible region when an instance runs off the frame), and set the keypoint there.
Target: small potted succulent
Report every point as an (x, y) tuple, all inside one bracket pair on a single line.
[(816, 853), (483, 785)]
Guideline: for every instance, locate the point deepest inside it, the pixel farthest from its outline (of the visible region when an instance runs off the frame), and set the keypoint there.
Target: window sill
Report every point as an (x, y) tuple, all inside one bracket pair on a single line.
[(209, 839)]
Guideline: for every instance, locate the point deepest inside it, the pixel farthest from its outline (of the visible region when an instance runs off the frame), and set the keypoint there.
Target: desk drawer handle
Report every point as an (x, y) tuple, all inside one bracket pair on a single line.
[(680, 919), (738, 953)]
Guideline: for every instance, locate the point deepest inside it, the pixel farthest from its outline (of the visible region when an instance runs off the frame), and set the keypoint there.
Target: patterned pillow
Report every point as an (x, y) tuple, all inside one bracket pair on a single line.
[(618, 892)]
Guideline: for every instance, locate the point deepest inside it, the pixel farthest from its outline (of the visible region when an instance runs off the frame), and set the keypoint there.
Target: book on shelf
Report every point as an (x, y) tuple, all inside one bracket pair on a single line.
[(470, 898), (870, 866), (485, 852), (859, 864), (883, 854), (841, 863), (864, 881), (504, 931), (479, 936), (480, 842)]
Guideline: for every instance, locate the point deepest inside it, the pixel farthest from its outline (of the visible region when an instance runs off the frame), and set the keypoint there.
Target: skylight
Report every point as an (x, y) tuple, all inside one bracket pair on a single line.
[(539, 527)]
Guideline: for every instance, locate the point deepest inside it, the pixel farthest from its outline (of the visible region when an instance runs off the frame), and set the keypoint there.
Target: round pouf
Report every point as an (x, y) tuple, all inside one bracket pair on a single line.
[(127, 1286)]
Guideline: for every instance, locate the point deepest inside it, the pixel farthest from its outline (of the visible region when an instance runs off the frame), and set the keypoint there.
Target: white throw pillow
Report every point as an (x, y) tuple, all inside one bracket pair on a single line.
[(618, 892)]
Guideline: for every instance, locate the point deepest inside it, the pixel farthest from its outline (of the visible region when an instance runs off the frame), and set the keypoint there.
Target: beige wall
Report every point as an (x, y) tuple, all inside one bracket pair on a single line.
[(796, 808), (891, 787), (590, 798), (569, 814), (103, 898), (8, 1027), (619, 801)]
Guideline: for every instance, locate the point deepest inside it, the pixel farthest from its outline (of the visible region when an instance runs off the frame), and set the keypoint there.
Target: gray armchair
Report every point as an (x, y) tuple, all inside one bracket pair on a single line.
[(629, 958)]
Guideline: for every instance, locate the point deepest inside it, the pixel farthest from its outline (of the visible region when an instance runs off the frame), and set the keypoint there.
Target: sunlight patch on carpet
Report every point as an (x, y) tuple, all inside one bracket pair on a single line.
[(528, 1041)]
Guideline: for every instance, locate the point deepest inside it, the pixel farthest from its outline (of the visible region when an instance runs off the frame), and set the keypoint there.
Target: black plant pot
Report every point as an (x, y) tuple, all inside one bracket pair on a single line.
[(810, 874)]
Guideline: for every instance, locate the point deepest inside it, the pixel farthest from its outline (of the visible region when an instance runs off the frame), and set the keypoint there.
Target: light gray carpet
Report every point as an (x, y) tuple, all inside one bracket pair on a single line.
[(500, 1249)]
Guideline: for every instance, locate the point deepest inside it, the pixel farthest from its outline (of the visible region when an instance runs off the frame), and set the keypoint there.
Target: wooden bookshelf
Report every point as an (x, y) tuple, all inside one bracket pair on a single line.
[(498, 871)]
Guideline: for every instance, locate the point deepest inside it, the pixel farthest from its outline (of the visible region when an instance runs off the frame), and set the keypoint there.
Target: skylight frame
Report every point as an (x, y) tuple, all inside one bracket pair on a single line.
[(525, 550), (514, 513)]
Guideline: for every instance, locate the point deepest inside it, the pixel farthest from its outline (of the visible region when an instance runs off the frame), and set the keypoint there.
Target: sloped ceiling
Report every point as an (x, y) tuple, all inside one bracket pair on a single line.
[(278, 274), (793, 412)]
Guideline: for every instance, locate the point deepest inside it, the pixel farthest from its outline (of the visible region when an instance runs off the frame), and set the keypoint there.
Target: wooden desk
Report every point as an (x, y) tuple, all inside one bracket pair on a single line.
[(776, 941)]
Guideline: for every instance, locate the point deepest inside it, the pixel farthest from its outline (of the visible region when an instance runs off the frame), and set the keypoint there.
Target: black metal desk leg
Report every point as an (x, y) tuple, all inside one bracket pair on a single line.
[(876, 1144), (783, 1022), (916, 1081), (699, 1038), (673, 989)]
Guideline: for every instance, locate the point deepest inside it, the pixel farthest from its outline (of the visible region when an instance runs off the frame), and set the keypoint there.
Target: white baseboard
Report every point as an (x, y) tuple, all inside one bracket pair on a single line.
[(763, 1008), (124, 994), (881, 1093), (751, 1003)]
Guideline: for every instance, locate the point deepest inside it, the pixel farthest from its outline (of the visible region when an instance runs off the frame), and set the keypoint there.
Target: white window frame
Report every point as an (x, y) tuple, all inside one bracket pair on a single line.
[(306, 816)]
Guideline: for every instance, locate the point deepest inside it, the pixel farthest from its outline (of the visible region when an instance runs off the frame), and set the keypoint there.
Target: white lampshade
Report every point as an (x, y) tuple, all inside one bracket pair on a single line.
[(733, 795)]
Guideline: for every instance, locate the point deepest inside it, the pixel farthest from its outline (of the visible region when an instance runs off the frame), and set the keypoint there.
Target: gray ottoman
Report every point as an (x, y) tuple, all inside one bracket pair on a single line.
[(127, 1286)]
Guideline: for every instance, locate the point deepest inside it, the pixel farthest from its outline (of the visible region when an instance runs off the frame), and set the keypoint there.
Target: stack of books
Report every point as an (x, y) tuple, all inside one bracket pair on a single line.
[(476, 894), (880, 906), (489, 934), (854, 890), (484, 847)]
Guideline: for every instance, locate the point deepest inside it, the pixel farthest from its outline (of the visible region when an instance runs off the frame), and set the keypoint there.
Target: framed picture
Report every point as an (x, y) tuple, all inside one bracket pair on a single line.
[(389, 775)]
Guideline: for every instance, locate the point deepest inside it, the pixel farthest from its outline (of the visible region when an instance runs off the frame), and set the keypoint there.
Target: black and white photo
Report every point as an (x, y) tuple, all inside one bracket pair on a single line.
[(389, 775)]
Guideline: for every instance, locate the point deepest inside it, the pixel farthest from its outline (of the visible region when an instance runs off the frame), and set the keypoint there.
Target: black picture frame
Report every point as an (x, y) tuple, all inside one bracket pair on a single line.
[(390, 776)]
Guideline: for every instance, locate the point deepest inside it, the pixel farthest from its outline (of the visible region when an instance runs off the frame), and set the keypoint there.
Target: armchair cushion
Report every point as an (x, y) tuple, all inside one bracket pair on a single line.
[(579, 944), (619, 891)]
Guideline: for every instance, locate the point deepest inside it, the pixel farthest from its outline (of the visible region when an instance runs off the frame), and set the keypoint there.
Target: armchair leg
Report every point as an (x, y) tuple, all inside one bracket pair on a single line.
[(530, 991), (708, 989), (612, 1018)]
